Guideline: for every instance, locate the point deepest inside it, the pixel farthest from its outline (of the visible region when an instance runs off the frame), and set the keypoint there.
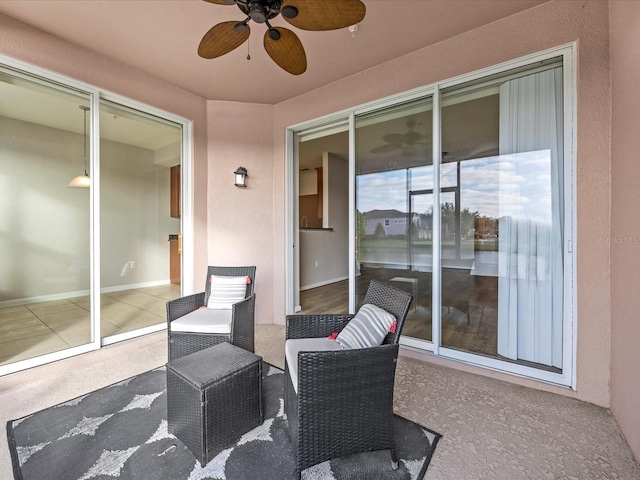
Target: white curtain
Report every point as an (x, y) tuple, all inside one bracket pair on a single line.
[(530, 282)]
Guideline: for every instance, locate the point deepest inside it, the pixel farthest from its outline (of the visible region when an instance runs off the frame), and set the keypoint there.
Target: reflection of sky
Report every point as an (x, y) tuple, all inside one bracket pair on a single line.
[(382, 191), (517, 185)]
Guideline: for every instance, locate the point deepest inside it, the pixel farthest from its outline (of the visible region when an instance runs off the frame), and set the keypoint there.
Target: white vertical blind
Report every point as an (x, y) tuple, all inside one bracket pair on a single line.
[(530, 284)]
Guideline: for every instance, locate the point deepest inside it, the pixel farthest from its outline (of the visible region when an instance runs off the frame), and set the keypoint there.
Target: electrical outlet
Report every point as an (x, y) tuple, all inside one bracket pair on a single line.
[(132, 264)]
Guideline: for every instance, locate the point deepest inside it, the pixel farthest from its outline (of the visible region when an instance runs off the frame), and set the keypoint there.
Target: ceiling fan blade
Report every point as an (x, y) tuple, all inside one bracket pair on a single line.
[(287, 51), (323, 14), (221, 39), (385, 149), (222, 2)]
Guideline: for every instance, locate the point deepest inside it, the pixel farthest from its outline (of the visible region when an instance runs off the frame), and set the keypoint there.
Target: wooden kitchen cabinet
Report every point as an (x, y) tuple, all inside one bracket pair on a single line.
[(175, 191), (175, 246)]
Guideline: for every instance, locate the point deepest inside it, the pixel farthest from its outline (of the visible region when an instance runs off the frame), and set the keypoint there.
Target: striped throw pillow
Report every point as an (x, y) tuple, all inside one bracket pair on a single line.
[(225, 291), (367, 329)]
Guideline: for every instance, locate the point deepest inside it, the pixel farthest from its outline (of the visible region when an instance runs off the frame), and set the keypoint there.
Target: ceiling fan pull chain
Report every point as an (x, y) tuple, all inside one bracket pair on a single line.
[(248, 50)]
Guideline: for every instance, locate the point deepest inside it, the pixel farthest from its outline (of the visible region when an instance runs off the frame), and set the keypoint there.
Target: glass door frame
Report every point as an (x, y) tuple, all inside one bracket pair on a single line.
[(95, 94), (318, 128), (54, 81), (568, 54), (186, 218)]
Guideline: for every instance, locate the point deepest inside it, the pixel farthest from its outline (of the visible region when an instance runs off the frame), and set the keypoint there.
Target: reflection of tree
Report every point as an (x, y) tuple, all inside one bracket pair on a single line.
[(486, 227), (361, 224), (379, 232), (471, 223), (448, 221), (361, 231)]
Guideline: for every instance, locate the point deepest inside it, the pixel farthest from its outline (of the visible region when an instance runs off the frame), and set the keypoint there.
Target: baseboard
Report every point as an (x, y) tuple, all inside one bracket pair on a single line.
[(79, 293), (132, 286), (322, 284)]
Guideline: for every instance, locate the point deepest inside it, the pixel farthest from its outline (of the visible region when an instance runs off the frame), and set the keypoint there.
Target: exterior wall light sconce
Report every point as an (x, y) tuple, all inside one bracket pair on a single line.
[(241, 175)]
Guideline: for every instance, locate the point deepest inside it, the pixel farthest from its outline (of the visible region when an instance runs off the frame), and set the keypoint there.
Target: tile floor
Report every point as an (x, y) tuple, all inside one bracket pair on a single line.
[(35, 329)]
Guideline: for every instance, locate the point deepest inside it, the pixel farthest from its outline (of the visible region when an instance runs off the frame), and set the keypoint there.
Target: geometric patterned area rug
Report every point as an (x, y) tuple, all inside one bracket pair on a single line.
[(120, 432)]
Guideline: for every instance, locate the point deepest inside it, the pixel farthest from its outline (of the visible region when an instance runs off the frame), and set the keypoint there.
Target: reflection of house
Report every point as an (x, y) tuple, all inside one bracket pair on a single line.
[(422, 226), (393, 222)]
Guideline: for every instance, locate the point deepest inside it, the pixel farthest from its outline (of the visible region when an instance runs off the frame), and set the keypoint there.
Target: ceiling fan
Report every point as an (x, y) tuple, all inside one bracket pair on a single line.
[(407, 143), (282, 45)]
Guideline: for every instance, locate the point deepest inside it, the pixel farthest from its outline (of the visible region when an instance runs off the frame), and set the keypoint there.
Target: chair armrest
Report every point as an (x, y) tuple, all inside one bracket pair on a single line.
[(243, 323), (181, 306), (313, 326), (243, 310)]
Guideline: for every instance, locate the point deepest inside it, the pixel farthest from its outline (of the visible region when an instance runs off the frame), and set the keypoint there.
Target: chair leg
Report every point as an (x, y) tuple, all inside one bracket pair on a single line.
[(394, 459)]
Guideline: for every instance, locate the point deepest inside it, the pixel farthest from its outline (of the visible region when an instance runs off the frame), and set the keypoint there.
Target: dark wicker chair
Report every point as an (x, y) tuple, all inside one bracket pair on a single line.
[(242, 322), (344, 402)]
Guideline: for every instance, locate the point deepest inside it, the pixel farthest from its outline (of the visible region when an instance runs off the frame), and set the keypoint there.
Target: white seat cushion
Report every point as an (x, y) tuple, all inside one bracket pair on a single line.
[(204, 320), (296, 345)]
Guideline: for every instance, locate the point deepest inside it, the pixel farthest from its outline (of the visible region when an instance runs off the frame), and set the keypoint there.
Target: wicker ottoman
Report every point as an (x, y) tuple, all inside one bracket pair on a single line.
[(214, 396)]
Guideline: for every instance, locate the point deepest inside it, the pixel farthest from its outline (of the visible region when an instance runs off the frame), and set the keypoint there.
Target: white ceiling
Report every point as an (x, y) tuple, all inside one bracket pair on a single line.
[(161, 37)]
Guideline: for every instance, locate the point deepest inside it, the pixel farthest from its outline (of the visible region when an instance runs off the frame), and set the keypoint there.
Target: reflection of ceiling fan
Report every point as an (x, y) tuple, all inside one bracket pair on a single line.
[(406, 143), (282, 45), (463, 152)]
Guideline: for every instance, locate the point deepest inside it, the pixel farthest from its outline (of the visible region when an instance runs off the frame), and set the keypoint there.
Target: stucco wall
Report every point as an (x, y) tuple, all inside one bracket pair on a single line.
[(624, 240), (549, 25), (241, 219), (28, 44)]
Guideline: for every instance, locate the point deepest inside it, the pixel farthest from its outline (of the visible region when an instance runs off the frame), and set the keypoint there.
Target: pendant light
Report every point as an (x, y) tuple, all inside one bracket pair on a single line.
[(82, 181)]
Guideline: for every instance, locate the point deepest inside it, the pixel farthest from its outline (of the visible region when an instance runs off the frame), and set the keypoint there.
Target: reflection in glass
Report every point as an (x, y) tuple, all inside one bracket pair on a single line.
[(139, 227), (502, 221), (44, 226), (394, 179)]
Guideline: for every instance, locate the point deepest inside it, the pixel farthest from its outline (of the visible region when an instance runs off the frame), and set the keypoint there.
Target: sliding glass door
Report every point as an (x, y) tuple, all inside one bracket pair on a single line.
[(393, 170), (462, 195), (140, 226), (502, 239), (90, 219), (45, 244)]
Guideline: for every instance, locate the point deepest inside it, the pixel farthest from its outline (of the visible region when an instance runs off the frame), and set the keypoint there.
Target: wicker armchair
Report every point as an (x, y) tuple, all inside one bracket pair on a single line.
[(241, 333), (344, 399)]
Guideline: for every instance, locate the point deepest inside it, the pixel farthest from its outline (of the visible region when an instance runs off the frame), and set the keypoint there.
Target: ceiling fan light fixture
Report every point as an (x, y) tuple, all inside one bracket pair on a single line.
[(274, 34), (257, 12), (240, 27), (289, 11)]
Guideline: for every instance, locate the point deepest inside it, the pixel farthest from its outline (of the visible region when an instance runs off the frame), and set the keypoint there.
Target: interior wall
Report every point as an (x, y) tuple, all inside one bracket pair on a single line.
[(48, 223), (40, 217), (28, 44), (624, 238), (337, 214), (135, 216), (549, 25), (324, 254), (241, 219)]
